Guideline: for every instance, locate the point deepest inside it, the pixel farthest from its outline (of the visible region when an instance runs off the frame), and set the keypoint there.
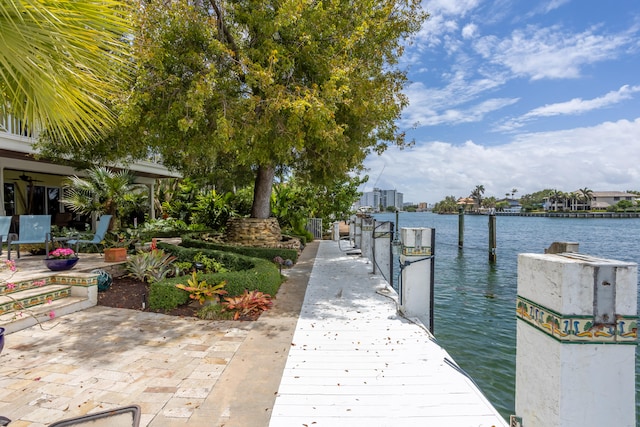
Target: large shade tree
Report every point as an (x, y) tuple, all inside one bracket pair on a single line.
[(60, 61), (269, 86)]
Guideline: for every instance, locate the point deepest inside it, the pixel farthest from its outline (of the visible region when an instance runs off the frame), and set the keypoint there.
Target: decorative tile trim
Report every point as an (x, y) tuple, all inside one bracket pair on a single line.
[(23, 285), (576, 329), (23, 303), (77, 279), (413, 251)]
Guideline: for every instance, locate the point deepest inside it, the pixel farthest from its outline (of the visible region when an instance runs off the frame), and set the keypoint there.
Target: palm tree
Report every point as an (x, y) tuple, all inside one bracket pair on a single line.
[(103, 191), (477, 193), (556, 197), (587, 195), (513, 192), (59, 63)]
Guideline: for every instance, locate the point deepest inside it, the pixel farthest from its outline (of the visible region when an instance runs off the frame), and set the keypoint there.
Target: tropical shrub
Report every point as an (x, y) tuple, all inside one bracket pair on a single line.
[(248, 304), (150, 266), (212, 210), (201, 291), (210, 265), (194, 241)]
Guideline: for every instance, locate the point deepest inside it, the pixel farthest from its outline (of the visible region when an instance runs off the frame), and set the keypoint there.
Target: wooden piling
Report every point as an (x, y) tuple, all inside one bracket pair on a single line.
[(460, 227), (492, 237)]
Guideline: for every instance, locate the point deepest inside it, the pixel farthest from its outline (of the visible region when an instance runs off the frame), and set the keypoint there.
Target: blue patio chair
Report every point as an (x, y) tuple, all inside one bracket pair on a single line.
[(34, 229), (5, 224), (101, 230)]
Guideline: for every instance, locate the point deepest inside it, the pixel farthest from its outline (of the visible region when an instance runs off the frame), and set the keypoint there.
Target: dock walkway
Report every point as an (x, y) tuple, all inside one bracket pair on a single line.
[(355, 361)]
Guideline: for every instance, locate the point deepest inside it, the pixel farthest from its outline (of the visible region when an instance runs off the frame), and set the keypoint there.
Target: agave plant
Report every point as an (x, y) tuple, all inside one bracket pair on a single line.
[(150, 266)]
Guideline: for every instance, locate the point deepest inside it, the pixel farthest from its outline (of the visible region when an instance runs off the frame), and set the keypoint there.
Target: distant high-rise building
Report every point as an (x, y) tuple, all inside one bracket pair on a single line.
[(379, 200)]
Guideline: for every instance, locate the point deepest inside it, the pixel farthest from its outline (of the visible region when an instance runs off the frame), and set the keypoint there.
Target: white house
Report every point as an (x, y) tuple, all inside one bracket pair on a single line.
[(33, 186)]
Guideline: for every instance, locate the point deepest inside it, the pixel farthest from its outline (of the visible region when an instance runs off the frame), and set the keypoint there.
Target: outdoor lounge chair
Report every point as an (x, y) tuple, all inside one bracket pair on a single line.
[(5, 225), (34, 229), (101, 230)]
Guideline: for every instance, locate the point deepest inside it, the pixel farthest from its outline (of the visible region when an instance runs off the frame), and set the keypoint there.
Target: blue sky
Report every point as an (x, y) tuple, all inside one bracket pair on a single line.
[(519, 94)]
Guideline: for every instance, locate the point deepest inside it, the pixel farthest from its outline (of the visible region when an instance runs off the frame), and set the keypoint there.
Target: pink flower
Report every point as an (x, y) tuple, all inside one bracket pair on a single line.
[(10, 264), (39, 283), (11, 286), (52, 314), (62, 253)]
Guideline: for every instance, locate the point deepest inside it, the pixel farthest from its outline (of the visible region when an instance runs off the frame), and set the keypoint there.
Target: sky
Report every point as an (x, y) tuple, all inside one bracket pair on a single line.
[(524, 95)]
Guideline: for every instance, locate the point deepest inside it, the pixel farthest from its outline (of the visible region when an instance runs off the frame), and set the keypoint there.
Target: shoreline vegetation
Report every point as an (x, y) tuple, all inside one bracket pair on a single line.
[(556, 214)]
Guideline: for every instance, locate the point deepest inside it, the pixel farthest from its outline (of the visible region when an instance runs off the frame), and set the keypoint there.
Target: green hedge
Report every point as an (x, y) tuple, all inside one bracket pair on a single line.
[(264, 253), (248, 273)]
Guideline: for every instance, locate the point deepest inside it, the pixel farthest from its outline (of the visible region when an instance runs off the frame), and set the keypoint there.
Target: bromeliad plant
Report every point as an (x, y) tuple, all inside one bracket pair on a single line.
[(249, 304), (201, 291)]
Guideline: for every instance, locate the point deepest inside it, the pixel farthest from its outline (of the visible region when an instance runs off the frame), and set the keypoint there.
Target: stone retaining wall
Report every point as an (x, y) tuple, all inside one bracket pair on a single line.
[(262, 233)]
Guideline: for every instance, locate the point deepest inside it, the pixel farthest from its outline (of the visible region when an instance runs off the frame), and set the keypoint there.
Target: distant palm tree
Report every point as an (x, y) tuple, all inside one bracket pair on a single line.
[(476, 194), (513, 192), (556, 197), (60, 61), (587, 196)]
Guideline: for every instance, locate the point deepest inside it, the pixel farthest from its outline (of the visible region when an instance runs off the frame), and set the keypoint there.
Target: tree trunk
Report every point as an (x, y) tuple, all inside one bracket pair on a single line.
[(261, 207)]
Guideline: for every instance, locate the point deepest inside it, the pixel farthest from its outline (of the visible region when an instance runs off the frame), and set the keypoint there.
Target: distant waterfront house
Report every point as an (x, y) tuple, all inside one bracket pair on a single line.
[(34, 186), (599, 200), (604, 199), (468, 203), (514, 205)]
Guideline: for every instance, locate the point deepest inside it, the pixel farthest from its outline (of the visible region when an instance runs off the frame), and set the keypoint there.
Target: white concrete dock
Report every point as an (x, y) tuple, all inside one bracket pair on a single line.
[(354, 361)]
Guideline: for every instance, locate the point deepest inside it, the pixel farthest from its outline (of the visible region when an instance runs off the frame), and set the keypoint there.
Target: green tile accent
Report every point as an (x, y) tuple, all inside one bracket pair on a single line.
[(413, 251), (576, 329)]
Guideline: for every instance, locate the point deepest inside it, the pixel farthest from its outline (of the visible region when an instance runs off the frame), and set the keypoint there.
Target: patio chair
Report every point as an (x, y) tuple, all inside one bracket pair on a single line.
[(128, 416), (101, 230), (34, 229), (5, 224)]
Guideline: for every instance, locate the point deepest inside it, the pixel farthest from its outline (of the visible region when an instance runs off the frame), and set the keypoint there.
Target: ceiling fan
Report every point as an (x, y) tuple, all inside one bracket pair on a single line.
[(27, 178)]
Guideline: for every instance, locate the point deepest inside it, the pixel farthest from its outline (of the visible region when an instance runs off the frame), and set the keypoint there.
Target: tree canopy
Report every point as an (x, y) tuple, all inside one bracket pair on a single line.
[(266, 87)]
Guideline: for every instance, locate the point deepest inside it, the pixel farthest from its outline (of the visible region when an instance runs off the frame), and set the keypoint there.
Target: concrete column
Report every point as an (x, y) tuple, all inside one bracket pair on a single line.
[(366, 241), (352, 229), (416, 280), (382, 259), (576, 339), (152, 201), (336, 231)]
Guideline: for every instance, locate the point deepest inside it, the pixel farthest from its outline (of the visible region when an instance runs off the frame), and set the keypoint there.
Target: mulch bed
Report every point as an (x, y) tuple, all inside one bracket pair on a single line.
[(127, 292), (130, 293)]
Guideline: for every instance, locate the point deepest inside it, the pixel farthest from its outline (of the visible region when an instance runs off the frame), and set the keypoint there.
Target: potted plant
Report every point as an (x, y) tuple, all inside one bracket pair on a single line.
[(61, 259), (116, 246)]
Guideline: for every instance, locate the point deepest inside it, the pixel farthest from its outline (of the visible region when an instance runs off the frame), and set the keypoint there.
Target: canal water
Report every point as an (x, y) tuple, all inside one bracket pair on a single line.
[(474, 316)]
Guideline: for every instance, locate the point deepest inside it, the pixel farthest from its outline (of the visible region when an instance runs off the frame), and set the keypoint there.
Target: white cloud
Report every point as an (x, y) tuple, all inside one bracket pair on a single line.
[(469, 31), (430, 106), (573, 107), (551, 53), (596, 157), (578, 105)]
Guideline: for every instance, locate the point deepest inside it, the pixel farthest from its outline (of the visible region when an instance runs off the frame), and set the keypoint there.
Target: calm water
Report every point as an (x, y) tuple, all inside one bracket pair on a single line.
[(475, 301)]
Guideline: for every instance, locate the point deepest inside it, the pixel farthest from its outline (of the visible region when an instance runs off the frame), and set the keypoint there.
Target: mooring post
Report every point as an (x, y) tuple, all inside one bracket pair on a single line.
[(357, 240), (416, 279), (336, 231), (576, 338), (382, 260), (492, 236), (460, 227), (366, 245)]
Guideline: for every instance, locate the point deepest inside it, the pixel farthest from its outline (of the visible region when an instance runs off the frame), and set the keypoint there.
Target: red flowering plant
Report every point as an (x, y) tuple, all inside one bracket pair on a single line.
[(62, 253)]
